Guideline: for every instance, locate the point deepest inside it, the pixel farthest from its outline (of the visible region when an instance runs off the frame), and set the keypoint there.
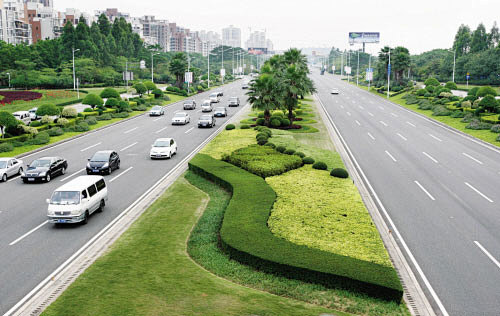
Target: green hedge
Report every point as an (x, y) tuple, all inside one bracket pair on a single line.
[(246, 238), (76, 101)]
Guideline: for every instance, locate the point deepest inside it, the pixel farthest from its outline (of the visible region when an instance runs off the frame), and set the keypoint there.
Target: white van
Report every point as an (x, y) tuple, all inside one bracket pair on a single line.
[(214, 97), (23, 116), (76, 200)]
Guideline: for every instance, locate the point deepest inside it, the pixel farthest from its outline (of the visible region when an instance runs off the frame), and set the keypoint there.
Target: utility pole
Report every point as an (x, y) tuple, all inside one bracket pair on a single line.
[(189, 66), (369, 67), (208, 59), (357, 71), (77, 88), (126, 75), (389, 74), (342, 64), (222, 66), (74, 77), (454, 59)]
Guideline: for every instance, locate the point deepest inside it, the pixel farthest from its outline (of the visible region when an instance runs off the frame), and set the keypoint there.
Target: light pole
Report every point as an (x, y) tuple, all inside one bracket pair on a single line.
[(454, 59), (342, 64), (369, 67), (357, 72), (152, 77), (189, 66), (208, 59), (389, 74), (74, 77), (9, 78)]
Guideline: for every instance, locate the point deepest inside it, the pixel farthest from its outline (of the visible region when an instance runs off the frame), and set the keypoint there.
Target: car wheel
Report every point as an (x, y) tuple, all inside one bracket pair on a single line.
[(20, 170), (118, 165), (4, 177), (86, 218), (63, 170), (109, 170), (47, 178), (101, 206)]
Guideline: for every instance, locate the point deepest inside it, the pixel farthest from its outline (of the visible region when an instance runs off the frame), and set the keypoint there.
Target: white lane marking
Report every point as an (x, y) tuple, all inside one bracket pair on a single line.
[(470, 157), (370, 113), (430, 157), (357, 122), (92, 146), (177, 111), (121, 174), (189, 130), (130, 130), (72, 175), (361, 107), (439, 140), (349, 113), (341, 106), (12, 179), (198, 111), (392, 157), (161, 130), (27, 234), (371, 136), (381, 107), (426, 192), (479, 192), (495, 261), (393, 114), (157, 119), (404, 138), (127, 147), (383, 123), (353, 101), (411, 124)]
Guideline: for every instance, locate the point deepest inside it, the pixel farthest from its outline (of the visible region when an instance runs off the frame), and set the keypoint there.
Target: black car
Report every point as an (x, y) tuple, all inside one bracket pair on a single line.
[(44, 169), (206, 120), (220, 93), (189, 105), (103, 162)]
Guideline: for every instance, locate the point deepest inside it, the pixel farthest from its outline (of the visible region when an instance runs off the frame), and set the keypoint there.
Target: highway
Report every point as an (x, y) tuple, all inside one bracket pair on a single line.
[(440, 189), (30, 248)]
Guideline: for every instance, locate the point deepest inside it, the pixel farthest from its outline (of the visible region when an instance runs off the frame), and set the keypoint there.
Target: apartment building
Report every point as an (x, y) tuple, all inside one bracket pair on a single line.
[(44, 20), (14, 28), (231, 36)]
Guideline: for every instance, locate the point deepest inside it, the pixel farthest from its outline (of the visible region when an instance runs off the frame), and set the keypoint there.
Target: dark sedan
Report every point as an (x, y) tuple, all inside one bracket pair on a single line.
[(206, 120), (103, 162), (44, 169)]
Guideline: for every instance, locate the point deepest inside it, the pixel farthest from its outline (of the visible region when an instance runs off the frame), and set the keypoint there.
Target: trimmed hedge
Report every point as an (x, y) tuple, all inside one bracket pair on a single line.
[(247, 239), (230, 127), (339, 173)]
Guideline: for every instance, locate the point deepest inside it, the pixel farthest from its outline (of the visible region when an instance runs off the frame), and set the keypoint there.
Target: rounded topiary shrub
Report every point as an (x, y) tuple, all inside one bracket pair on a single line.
[(285, 122), (262, 134), (289, 151), (230, 127), (278, 113), (88, 110), (41, 138), (339, 173), (35, 124), (300, 154), (91, 120), (262, 141), (495, 128), (112, 102), (69, 112), (55, 131), (260, 115), (6, 147), (271, 145), (308, 160), (281, 149), (260, 121), (275, 122), (320, 165), (244, 126)]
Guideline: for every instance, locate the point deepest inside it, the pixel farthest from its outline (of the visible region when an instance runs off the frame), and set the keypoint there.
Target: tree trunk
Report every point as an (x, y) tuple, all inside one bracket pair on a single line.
[(267, 116)]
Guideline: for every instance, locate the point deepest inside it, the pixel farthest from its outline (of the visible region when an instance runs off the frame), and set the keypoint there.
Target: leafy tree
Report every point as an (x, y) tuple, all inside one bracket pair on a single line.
[(494, 36), (104, 25), (93, 100), (431, 82), (486, 90), (462, 41), (110, 93), (263, 95), (140, 88), (47, 109), (150, 86), (7, 120), (112, 102), (489, 103), (157, 93), (473, 91), (177, 67), (451, 85), (479, 40)]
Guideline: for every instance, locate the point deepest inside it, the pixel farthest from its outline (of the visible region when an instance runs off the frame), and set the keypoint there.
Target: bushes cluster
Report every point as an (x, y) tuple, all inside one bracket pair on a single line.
[(230, 127), (476, 124), (244, 126)]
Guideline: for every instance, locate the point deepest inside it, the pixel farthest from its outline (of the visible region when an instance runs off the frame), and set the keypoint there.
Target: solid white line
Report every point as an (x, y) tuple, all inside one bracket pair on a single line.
[(495, 261), (71, 175), (381, 107), (411, 124), (404, 138), (371, 114), (439, 140), (389, 219), (27, 234), (92, 146), (12, 179), (349, 113), (341, 106), (189, 130), (121, 174), (371, 136), (357, 122), (130, 130), (127, 147), (389, 154), (470, 157), (383, 123), (479, 192), (395, 115), (362, 108), (430, 157), (161, 130), (353, 101), (157, 119), (426, 192)]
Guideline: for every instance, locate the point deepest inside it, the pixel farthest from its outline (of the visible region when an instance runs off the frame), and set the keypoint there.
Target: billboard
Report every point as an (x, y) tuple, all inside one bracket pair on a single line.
[(369, 74), (223, 72), (347, 70), (363, 37), (127, 76), (188, 77)]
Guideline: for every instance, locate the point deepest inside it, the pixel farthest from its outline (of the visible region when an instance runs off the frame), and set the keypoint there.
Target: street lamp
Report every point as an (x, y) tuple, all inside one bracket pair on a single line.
[(152, 77), (9, 78), (454, 59), (208, 59), (74, 78), (357, 72)]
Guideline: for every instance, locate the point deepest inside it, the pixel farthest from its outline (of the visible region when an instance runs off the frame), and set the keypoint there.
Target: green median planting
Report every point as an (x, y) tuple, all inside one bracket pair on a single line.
[(246, 237)]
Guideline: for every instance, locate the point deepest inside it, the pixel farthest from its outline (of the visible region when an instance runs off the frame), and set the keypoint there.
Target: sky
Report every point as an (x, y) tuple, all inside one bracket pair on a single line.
[(418, 25)]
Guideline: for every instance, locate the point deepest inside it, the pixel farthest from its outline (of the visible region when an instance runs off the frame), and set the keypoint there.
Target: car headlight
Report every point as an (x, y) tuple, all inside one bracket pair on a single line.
[(42, 174), (106, 165), (75, 212), (22, 174), (49, 212), (88, 165)]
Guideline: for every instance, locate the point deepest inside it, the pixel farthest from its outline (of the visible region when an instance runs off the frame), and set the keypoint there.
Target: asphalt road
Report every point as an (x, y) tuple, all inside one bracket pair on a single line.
[(30, 248), (441, 190)]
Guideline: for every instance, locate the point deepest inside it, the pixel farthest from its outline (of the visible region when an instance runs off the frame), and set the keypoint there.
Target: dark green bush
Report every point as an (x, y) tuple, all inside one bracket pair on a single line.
[(289, 151), (41, 138), (262, 134), (300, 154), (421, 92), (36, 124), (230, 127), (120, 115), (157, 93), (431, 82), (486, 90), (104, 117), (285, 122), (440, 111), (55, 131), (428, 95), (308, 160), (281, 149), (261, 141), (91, 120), (260, 115), (112, 102), (109, 93), (495, 128), (82, 127), (339, 173), (275, 122), (476, 124), (451, 85), (244, 126), (141, 107), (473, 91), (271, 145), (320, 165), (88, 110), (260, 121), (6, 147), (468, 117), (457, 114)]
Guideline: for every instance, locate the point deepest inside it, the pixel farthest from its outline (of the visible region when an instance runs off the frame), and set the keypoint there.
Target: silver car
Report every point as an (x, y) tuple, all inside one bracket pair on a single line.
[(156, 111), (181, 118), (10, 167), (206, 106)]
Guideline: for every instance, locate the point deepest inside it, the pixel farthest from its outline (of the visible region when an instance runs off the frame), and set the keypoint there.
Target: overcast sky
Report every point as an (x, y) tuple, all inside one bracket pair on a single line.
[(418, 25)]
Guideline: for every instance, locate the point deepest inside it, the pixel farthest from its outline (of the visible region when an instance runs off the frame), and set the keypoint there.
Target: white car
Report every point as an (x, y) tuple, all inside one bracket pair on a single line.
[(206, 106), (214, 97), (335, 91), (163, 148), (33, 115), (181, 118), (23, 116), (156, 111), (76, 200), (10, 167)]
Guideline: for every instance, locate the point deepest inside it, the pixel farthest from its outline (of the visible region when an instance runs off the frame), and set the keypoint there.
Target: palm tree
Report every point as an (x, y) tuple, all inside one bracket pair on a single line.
[(263, 95), (177, 67)]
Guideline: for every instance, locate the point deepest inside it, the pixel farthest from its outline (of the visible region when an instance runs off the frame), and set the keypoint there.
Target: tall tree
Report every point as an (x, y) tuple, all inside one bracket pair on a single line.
[(104, 24), (479, 40), (462, 40), (263, 95), (494, 36), (177, 67)]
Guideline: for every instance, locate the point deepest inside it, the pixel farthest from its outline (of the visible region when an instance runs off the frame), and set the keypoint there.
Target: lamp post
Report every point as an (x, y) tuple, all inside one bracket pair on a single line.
[(389, 74), (152, 77), (357, 72), (454, 59), (9, 78), (74, 77), (208, 59)]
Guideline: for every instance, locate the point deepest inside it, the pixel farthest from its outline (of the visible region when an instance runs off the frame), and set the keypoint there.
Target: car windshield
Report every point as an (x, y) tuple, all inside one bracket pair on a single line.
[(162, 143), (100, 156), (33, 110), (65, 197), (234, 99), (3, 164), (188, 102), (156, 108), (220, 109), (17, 115), (213, 95), (180, 115), (205, 103), (40, 163), (205, 117)]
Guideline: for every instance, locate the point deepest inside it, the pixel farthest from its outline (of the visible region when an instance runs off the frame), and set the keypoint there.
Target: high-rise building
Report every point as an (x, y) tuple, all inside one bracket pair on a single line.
[(258, 43), (231, 36), (44, 20), (14, 27)]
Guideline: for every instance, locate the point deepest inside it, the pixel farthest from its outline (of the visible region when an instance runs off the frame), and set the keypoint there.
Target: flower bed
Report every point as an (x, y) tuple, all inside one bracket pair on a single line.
[(11, 96)]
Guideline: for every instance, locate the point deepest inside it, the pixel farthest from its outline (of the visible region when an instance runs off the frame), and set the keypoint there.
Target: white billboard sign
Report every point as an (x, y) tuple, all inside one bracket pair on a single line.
[(188, 77), (223, 72), (363, 37), (142, 64), (347, 70), (333, 68), (128, 76)]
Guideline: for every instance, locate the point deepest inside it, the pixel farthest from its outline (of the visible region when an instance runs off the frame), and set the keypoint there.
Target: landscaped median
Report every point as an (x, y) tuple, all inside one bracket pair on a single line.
[(247, 238)]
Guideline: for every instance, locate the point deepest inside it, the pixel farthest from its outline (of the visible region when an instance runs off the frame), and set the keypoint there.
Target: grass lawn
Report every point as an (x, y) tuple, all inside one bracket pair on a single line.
[(464, 87), (147, 272), (228, 141), (49, 97)]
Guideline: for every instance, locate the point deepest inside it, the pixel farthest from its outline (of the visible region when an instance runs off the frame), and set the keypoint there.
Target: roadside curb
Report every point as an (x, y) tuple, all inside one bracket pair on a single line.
[(414, 296)]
